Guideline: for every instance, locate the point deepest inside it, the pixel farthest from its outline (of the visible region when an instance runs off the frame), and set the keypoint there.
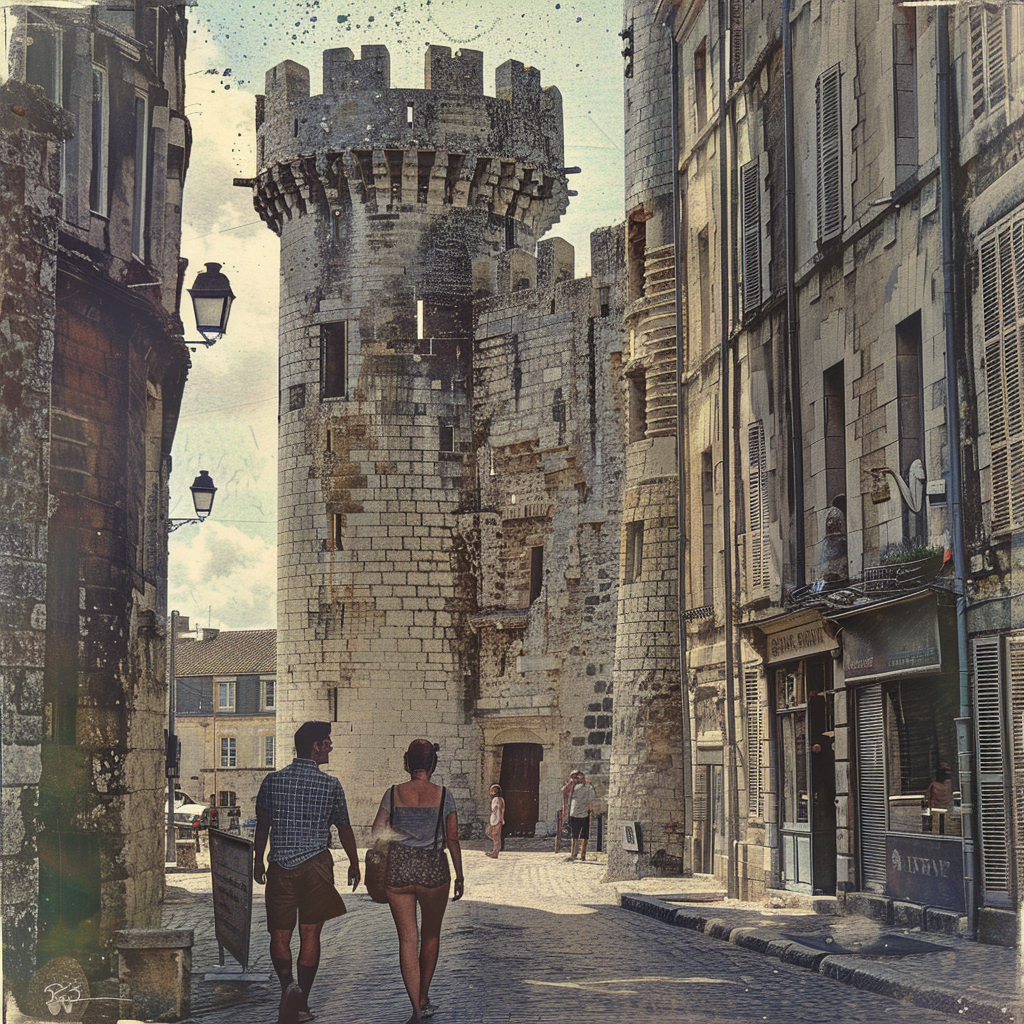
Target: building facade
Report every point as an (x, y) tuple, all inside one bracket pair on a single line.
[(95, 149), (225, 709), (846, 201)]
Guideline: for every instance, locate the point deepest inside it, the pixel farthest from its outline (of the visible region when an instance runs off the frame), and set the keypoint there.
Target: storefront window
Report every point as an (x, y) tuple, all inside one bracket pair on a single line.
[(791, 698), (923, 787)]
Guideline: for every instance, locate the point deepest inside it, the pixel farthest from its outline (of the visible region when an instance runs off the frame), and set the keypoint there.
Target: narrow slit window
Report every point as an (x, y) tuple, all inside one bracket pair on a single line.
[(334, 359), (408, 113), (100, 142), (338, 530), (634, 551), (536, 572), (446, 441)]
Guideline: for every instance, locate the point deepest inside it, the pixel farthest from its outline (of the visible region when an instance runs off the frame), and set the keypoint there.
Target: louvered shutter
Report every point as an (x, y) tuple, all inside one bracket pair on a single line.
[(871, 787), (759, 567), (750, 226), (1002, 293), (990, 746), (1015, 663), (830, 156), (988, 59), (736, 40), (755, 739)]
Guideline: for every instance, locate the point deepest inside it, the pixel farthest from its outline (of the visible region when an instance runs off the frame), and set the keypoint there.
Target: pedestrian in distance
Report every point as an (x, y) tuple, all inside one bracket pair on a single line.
[(296, 808), (581, 797), (423, 818), (497, 821)]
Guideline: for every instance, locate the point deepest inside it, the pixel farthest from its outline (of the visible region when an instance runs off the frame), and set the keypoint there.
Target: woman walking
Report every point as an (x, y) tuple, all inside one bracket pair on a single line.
[(497, 819), (423, 815)]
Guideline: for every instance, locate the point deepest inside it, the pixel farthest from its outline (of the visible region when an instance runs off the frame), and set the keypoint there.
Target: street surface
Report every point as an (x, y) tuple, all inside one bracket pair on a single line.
[(534, 940)]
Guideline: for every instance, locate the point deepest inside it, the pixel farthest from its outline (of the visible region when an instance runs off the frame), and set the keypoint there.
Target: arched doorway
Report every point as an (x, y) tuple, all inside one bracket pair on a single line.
[(520, 782)]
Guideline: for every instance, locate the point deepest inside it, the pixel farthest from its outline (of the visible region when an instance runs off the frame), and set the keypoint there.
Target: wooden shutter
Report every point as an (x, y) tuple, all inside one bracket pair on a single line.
[(1015, 673), (1002, 291), (990, 745), (871, 787), (755, 739), (759, 559), (988, 59), (830, 156), (750, 227)]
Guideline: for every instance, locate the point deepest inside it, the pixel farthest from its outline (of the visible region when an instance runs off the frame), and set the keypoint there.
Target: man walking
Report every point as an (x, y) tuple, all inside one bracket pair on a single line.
[(581, 796), (296, 808)]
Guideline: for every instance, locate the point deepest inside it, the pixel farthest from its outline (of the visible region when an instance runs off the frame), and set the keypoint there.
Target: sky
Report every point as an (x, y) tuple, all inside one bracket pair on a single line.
[(222, 572)]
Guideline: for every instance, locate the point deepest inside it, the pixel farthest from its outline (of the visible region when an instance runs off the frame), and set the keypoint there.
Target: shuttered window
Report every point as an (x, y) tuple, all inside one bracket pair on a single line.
[(990, 741), (750, 241), (1015, 662), (871, 787), (1002, 293), (988, 59), (755, 739), (830, 155), (759, 568)]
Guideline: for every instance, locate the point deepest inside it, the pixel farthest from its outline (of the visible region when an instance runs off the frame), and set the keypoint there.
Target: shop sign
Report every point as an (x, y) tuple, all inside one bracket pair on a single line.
[(896, 640), (929, 871), (799, 642)]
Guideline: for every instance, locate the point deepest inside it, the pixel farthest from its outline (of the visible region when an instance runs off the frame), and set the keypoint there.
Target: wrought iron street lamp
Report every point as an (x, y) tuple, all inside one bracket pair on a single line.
[(211, 299), (203, 491)]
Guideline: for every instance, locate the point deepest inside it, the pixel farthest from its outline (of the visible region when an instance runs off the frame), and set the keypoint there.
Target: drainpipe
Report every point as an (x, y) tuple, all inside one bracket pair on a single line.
[(965, 753), (732, 793), (796, 449), (681, 419)]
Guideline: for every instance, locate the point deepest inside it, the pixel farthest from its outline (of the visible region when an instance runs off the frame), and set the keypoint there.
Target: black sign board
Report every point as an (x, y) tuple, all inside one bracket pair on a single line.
[(929, 871), (892, 641), (231, 873)]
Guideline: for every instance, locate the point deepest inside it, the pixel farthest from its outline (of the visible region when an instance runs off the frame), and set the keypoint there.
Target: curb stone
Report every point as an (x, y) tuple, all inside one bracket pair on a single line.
[(833, 966)]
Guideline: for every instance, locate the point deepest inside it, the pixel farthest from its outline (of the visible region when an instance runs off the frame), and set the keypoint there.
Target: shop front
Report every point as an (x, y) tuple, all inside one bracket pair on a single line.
[(799, 664), (905, 701)]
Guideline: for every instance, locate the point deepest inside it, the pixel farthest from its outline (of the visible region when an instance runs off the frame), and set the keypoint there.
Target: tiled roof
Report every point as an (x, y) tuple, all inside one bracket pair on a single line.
[(246, 652)]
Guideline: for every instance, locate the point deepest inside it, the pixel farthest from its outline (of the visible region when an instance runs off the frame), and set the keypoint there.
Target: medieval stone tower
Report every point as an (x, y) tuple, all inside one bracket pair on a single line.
[(392, 206)]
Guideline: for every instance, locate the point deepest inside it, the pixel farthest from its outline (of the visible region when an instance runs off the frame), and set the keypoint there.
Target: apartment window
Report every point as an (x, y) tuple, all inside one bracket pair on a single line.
[(228, 751), (704, 271), (268, 701), (226, 696), (100, 142), (904, 70), (43, 57), (334, 359), (750, 241), (1002, 270), (636, 253), (830, 155), (759, 510), (267, 751), (637, 384), (604, 298), (988, 59), (634, 551), (833, 387), (141, 189), (700, 84), (227, 798), (707, 487), (536, 572), (910, 411)]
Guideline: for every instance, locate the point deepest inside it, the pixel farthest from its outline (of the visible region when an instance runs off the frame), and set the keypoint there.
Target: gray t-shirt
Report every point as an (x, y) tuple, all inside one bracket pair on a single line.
[(580, 800), (419, 824)]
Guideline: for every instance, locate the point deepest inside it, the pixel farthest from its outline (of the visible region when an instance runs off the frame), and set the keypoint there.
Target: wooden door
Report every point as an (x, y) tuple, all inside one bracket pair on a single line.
[(520, 782)]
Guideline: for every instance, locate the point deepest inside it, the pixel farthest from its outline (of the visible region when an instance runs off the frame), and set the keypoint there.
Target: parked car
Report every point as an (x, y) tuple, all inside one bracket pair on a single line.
[(186, 814)]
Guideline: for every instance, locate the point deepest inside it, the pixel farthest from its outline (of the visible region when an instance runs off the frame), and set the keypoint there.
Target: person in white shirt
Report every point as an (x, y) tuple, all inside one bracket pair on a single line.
[(581, 798)]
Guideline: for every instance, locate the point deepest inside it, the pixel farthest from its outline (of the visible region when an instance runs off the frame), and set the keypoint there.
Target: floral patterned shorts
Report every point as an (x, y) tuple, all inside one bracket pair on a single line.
[(415, 865)]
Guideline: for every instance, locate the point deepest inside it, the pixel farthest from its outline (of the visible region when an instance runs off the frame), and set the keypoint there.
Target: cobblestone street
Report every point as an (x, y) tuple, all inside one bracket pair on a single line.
[(534, 939)]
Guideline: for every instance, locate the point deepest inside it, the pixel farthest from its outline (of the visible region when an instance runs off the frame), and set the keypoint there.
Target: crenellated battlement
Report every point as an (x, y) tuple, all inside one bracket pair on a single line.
[(447, 144)]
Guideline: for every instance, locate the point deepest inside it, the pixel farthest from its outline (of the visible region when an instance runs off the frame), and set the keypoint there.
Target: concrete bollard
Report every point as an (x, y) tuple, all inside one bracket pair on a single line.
[(155, 971)]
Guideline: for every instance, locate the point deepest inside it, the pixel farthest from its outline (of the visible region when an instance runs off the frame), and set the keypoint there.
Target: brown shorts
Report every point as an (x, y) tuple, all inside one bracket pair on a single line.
[(309, 889)]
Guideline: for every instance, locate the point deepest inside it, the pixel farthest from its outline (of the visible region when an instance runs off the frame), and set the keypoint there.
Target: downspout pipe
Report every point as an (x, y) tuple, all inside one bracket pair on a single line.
[(796, 430), (681, 421), (724, 221), (964, 730)]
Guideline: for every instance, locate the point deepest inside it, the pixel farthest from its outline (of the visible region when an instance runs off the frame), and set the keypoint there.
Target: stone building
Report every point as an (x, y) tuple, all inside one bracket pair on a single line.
[(95, 148), (225, 702), (846, 720), (400, 212)]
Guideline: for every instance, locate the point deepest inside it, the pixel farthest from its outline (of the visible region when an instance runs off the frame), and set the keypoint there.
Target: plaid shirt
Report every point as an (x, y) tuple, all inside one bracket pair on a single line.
[(302, 804)]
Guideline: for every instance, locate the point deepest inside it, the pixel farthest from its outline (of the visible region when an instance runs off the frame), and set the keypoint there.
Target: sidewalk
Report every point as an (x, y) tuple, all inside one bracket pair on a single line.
[(969, 980)]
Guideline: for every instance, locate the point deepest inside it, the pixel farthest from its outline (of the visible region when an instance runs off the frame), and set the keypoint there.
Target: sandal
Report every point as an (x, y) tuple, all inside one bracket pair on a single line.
[(428, 1011)]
